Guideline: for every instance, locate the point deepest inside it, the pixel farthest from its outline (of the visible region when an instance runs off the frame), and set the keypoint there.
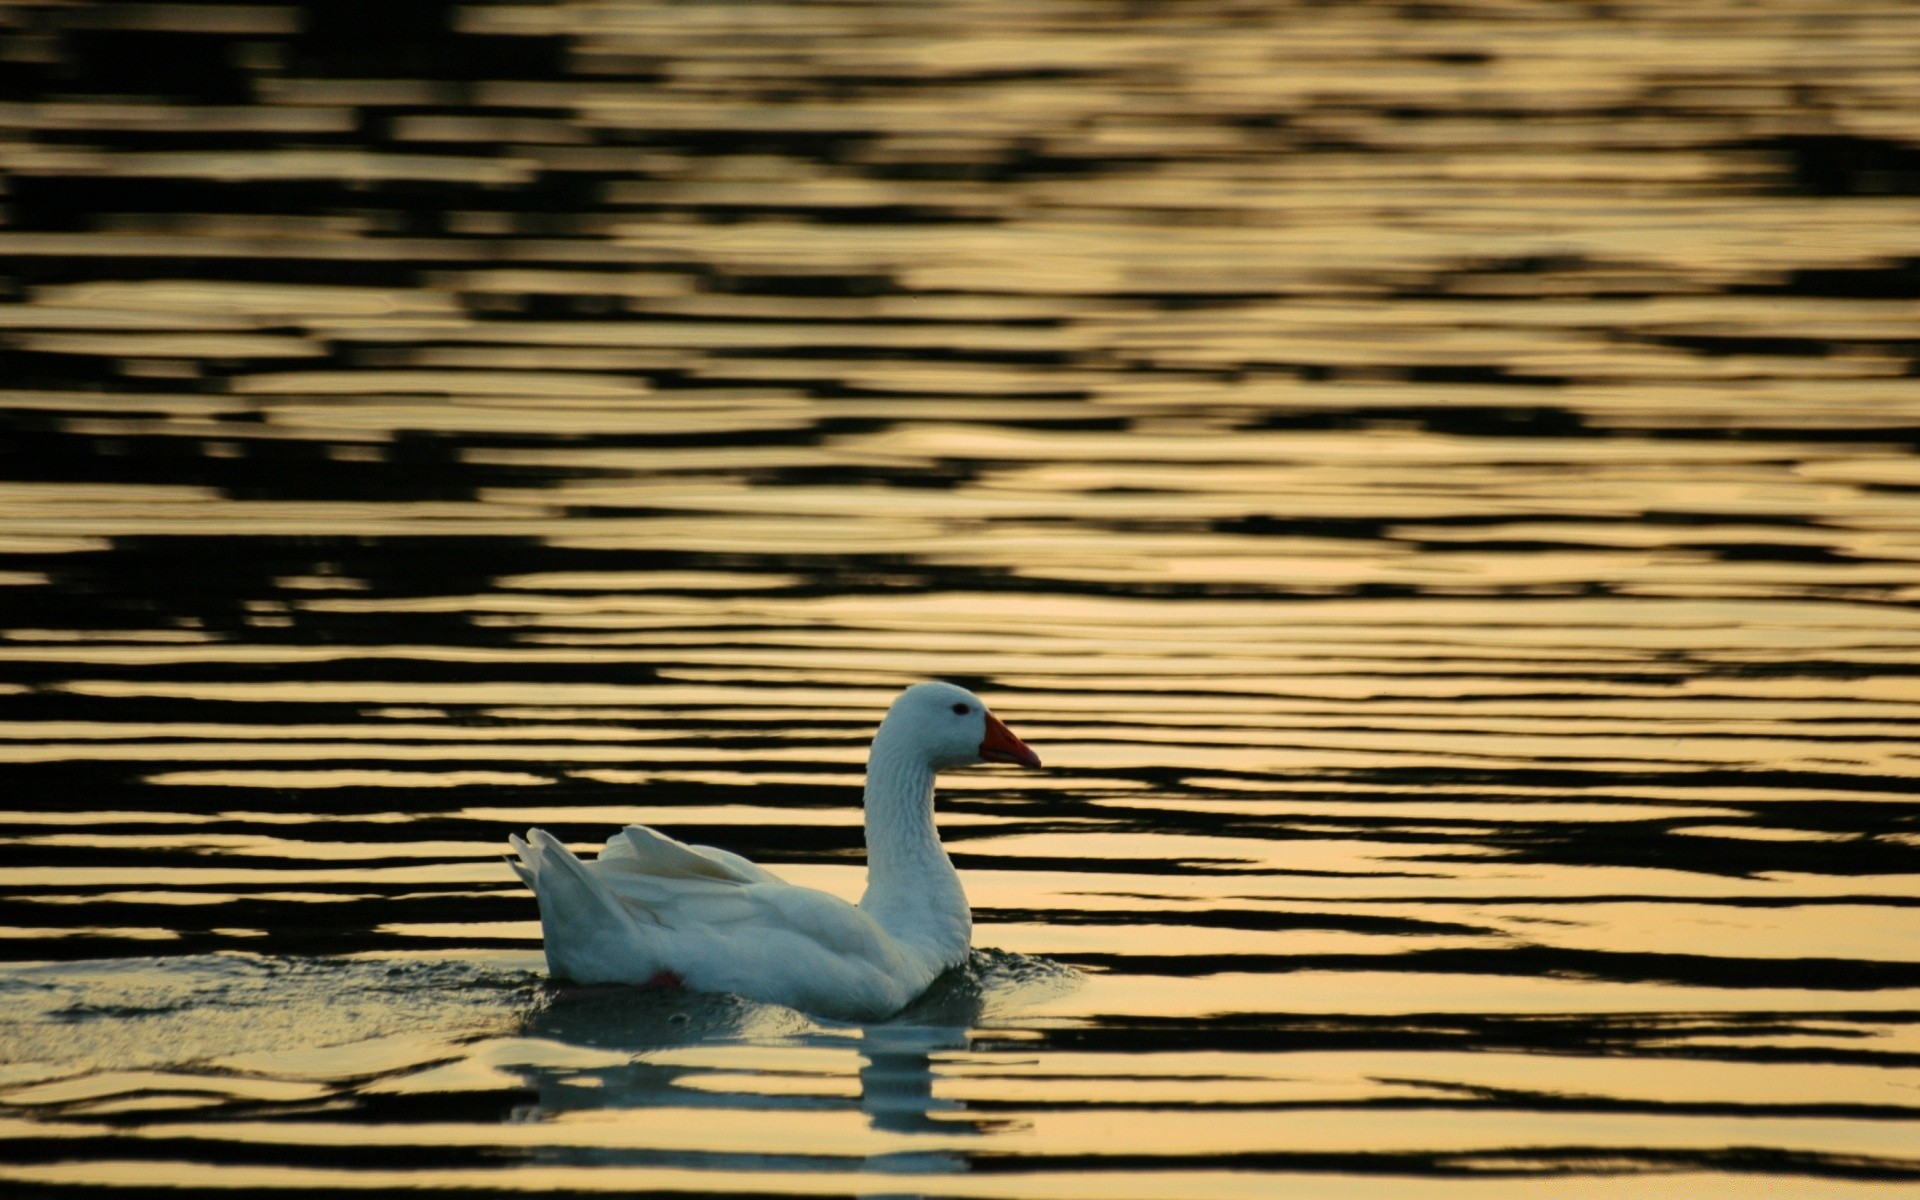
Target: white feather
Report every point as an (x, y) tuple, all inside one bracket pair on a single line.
[(650, 906)]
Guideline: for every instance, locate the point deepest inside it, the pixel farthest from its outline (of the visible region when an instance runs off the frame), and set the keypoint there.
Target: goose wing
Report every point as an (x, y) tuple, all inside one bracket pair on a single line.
[(654, 853)]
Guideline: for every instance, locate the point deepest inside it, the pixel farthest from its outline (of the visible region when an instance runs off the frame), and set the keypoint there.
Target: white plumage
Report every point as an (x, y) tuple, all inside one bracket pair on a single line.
[(650, 909)]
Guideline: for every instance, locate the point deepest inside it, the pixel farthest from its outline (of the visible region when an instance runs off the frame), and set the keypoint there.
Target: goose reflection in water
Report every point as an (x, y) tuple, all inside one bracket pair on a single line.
[(896, 1080), (683, 1046)]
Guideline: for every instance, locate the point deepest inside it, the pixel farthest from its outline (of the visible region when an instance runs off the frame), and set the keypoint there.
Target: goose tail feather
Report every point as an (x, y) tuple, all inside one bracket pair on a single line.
[(585, 927)]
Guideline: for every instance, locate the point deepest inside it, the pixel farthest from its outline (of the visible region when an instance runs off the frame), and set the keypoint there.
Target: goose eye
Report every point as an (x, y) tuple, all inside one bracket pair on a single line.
[(962, 709)]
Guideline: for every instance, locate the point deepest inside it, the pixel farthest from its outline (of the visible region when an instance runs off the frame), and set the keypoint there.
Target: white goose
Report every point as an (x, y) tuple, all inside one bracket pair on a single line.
[(651, 910)]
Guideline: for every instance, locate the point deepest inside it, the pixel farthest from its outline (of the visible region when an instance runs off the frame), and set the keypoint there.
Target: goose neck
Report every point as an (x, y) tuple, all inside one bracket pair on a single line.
[(899, 809), (912, 888)]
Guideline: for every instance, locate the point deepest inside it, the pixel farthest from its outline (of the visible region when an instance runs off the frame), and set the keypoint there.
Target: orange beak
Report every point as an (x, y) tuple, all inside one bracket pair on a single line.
[(1001, 746)]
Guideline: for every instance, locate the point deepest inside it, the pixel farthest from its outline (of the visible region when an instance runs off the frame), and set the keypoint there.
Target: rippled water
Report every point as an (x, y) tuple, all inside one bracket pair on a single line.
[(1436, 483)]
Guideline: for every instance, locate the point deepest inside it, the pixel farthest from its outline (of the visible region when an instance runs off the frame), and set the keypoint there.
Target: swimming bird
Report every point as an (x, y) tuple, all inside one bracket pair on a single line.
[(651, 910)]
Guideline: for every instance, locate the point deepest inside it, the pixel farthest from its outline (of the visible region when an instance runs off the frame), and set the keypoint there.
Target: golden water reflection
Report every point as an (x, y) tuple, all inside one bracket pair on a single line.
[(1435, 484)]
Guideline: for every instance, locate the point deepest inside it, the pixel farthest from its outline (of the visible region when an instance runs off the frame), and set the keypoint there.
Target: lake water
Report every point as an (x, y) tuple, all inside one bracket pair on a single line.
[(1437, 484)]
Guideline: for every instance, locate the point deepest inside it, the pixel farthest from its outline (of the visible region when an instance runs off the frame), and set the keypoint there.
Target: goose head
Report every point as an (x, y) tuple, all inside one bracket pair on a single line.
[(952, 728)]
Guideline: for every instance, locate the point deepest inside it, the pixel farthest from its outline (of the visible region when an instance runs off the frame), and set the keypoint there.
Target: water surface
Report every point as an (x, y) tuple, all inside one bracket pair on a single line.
[(1436, 483)]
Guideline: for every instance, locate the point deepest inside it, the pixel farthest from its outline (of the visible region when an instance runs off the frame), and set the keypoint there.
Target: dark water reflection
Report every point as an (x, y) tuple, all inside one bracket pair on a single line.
[(1436, 483)]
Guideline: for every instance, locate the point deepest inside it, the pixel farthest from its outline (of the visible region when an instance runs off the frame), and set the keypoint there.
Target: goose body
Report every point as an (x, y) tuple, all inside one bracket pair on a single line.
[(650, 909)]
